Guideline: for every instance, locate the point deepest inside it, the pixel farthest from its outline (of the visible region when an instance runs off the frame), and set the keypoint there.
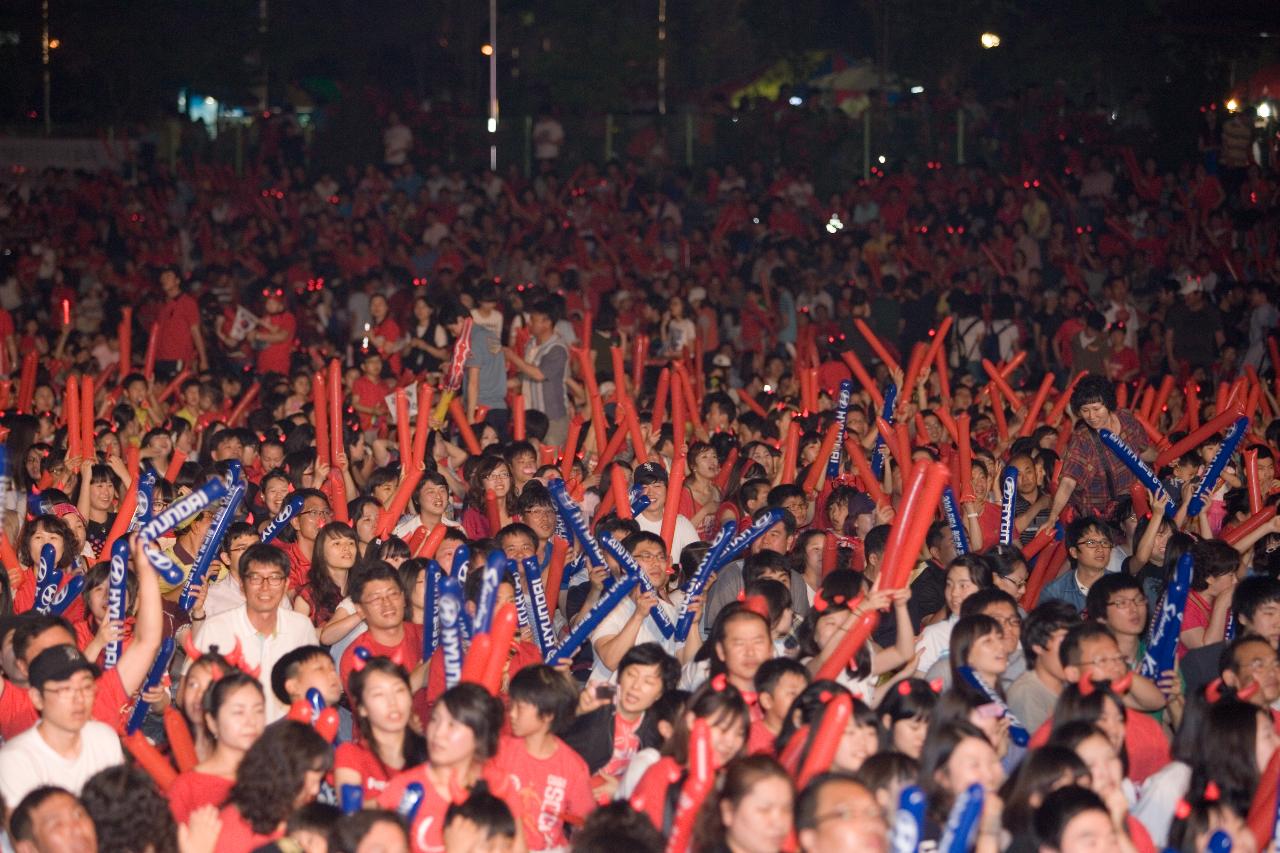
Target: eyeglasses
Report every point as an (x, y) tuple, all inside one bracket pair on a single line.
[(1128, 603), (1107, 661), (1262, 665), (1095, 543), (1019, 583), (540, 510), (649, 556), (321, 513), (70, 689), (1009, 621), (264, 580)]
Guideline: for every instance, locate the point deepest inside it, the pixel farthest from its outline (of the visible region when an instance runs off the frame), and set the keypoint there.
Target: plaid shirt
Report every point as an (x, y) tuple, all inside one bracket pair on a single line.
[(1101, 478)]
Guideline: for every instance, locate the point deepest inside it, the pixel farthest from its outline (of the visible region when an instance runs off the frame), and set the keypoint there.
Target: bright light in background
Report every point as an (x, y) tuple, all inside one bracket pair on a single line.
[(795, 100), (54, 44), (487, 49), (990, 40), (1264, 110), (834, 224), (917, 90), (1232, 105), (881, 159), (493, 125)]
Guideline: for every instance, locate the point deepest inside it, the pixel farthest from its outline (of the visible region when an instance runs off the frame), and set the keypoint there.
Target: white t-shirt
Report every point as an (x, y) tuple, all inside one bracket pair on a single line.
[(934, 643), (396, 142), (613, 624), (684, 534), (293, 630), (27, 762)]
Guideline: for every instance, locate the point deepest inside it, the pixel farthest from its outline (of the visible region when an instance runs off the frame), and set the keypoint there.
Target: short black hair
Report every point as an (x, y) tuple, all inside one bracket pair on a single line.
[(1095, 603), (287, 667), (1042, 623), (486, 811), (349, 830), (1252, 593), (772, 670), (984, 598), (548, 691), (617, 826), (1069, 651), (376, 571), (21, 827), (652, 654), (806, 811), (1093, 388), (264, 554)]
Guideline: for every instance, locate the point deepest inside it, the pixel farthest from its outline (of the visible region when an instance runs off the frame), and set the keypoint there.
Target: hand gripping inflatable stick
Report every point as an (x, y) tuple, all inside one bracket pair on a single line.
[(210, 546), (175, 514), (629, 564), (1162, 650), (276, 526), (1140, 469), (684, 621), (1220, 459)]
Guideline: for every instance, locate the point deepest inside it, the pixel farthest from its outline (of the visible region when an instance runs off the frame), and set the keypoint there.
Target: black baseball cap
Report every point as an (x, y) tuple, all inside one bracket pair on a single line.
[(58, 663), (649, 472)]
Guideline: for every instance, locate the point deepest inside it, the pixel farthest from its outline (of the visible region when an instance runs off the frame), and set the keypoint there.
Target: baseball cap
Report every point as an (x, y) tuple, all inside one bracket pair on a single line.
[(649, 472), (58, 663)]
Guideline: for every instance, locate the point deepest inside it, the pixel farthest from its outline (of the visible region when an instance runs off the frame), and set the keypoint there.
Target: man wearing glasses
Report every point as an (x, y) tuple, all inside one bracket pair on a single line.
[(838, 813), (67, 746), (1090, 549), (263, 629), (379, 599), (306, 524)]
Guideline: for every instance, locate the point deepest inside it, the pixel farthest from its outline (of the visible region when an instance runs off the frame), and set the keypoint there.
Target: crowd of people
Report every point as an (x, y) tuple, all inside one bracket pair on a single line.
[(417, 509)]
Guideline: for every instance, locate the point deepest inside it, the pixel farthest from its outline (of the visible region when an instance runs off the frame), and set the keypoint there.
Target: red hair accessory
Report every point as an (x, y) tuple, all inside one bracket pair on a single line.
[(719, 683), (820, 605), (824, 697), (742, 595), (1182, 810), (839, 599), (1213, 691), (936, 685), (362, 657), (757, 604), (1248, 693), (1121, 685), (904, 688), (236, 658), (1085, 684), (1211, 791)]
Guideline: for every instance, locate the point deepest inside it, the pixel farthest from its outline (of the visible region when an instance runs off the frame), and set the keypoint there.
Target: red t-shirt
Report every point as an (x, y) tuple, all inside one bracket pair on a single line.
[(237, 836), (275, 357), (370, 394), (760, 740), (426, 835), (1144, 740), (173, 334), (552, 790), (299, 565), (193, 790), (626, 743), (409, 651), (374, 774)]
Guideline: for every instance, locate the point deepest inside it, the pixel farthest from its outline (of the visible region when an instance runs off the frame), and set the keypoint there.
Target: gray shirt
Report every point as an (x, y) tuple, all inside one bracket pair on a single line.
[(492, 390)]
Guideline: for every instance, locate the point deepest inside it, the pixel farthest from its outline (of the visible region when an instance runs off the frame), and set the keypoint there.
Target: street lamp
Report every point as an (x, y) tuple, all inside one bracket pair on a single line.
[(990, 40)]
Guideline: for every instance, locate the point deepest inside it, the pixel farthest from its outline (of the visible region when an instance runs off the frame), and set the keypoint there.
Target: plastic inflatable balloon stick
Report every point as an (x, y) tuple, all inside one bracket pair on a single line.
[(853, 640), (701, 576), (154, 676), (291, 507), (835, 718), (174, 515), (696, 787), (951, 512), (1008, 499), (117, 597), (908, 821), (1162, 649), (495, 568), (1135, 463), (1196, 437), (919, 503), (1220, 459), (602, 608), (957, 837), (542, 630), (431, 608), (450, 631), (501, 635), (842, 417), (409, 801), (210, 545)]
